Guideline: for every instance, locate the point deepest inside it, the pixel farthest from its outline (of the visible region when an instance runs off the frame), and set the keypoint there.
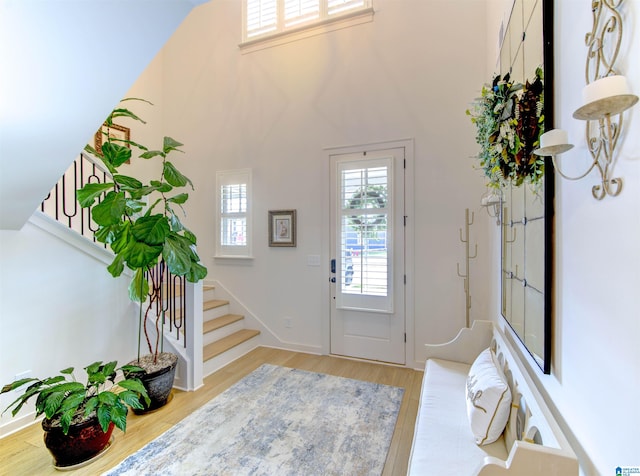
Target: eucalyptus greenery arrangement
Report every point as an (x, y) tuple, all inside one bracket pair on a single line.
[(143, 235), (63, 400), (509, 120)]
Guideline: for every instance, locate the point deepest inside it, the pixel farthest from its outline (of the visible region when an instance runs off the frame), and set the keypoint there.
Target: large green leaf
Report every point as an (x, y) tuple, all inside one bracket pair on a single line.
[(131, 399), (179, 199), (110, 210), (119, 416), (138, 287), (142, 255), (65, 419), (122, 237), (196, 273), (18, 383), (161, 187), (136, 386), (107, 398), (177, 254), (73, 401), (188, 234), (176, 224), (174, 177), (104, 416), (123, 112), (90, 405), (127, 183), (151, 230), (108, 234), (169, 145), (53, 402), (114, 155), (109, 370), (150, 154), (88, 194)]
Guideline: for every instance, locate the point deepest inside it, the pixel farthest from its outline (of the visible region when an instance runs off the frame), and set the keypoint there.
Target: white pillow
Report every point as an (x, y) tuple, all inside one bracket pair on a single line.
[(488, 399)]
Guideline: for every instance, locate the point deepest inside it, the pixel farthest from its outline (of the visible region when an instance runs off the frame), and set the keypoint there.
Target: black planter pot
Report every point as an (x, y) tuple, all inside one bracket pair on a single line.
[(158, 383), (84, 441)]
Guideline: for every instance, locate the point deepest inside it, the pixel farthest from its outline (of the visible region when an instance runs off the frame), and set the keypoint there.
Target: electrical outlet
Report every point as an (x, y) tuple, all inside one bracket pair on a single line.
[(287, 322)]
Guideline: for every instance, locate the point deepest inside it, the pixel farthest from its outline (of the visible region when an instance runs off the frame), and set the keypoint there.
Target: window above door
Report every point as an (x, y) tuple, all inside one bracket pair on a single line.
[(269, 21)]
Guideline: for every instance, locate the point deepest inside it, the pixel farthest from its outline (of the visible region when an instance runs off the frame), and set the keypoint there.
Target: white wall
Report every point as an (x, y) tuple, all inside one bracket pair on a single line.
[(411, 73), (59, 308), (65, 65), (595, 375)]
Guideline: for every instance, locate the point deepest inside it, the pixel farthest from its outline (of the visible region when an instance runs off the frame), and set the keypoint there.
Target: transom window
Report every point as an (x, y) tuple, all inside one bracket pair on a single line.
[(268, 18)]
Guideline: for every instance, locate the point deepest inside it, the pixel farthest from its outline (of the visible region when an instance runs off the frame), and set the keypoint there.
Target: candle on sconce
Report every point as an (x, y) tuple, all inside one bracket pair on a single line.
[(605, 97), (605, 88), (554, 137), (553, 142)]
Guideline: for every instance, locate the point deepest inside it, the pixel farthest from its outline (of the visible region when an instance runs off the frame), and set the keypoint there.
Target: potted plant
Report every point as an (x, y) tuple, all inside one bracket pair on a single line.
[(79, 417), (141, 224)]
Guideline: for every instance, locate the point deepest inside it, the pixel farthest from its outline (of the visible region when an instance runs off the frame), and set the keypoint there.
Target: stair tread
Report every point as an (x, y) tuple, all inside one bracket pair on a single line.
[(226, 343), (214, 303), (219, 322), (176, 289)]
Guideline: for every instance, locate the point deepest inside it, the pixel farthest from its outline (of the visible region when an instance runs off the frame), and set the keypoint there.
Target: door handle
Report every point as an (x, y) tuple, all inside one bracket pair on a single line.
[(333, 267)]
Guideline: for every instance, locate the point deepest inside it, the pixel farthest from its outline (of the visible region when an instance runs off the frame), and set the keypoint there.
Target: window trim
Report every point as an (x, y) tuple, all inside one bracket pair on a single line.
[(241, 252), (323, 25)]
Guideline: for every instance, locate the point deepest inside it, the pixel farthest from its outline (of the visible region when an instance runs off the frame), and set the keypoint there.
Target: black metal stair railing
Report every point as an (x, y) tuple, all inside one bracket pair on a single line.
[(61, 204), (167, 298)]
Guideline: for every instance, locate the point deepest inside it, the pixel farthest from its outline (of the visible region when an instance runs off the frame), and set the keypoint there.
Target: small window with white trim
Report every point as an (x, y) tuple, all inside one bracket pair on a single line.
[(233, 205), (267, 19)]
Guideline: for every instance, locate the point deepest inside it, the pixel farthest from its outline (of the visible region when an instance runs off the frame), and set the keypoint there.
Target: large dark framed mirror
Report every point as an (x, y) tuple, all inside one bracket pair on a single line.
[(527, 211)]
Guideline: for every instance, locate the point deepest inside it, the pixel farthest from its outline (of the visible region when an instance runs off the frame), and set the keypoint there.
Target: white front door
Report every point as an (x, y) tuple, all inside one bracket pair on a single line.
[(367, 250)]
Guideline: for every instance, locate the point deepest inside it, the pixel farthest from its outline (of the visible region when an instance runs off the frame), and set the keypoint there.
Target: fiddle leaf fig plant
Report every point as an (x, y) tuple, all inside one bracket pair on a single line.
[(141, 221)]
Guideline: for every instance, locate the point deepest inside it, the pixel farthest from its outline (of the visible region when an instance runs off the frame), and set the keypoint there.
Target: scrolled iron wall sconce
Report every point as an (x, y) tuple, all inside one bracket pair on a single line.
[(605, 98)]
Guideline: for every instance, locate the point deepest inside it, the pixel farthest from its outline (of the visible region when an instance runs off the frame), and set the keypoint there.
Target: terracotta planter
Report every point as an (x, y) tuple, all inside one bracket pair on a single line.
[(158, 383), (84, 441)]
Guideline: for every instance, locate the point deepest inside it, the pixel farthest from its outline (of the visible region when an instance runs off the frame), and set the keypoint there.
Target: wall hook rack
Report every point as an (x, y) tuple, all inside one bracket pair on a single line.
[(465, 239)]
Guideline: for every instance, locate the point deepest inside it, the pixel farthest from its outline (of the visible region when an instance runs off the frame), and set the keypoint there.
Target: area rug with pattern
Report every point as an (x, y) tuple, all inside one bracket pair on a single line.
[(278, 421)]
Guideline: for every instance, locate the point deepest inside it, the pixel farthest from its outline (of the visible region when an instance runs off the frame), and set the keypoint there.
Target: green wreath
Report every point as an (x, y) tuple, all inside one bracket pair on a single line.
[(360, 197)]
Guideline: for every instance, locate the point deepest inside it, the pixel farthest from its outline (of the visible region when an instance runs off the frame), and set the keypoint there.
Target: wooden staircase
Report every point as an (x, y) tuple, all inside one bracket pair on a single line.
[(225, 337)]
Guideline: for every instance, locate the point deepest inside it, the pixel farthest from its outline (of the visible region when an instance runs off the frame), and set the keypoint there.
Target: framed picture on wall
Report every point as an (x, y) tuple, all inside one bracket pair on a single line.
[(118, 134), (282, 228)]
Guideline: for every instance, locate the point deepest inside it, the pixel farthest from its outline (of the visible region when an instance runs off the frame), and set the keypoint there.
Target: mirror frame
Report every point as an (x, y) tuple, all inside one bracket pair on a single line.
[(549, 194)]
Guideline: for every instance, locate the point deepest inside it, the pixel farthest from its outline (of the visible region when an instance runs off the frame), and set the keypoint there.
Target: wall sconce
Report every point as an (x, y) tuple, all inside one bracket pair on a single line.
[(492, 201), (603, 98)]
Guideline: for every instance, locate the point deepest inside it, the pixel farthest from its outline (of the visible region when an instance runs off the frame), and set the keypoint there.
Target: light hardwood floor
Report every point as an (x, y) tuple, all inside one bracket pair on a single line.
[(24, 453)]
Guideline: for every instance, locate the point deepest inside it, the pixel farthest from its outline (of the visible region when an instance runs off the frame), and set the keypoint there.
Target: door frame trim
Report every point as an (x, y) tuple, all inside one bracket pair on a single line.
[(408, 145)]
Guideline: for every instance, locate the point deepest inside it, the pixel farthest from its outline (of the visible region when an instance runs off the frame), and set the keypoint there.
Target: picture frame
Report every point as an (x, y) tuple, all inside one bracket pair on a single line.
[(120, 134), (282, 228)]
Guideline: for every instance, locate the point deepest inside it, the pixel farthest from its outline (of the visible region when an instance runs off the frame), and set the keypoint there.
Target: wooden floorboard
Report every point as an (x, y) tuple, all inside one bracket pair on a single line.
[(24, 453)]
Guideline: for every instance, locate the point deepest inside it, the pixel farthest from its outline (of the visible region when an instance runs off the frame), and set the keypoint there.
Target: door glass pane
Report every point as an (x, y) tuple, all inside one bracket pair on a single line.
[(364, 229)]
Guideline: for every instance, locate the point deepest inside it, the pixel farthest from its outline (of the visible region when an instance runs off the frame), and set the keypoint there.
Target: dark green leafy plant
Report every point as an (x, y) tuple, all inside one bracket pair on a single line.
[(142, 235), (62, 398)]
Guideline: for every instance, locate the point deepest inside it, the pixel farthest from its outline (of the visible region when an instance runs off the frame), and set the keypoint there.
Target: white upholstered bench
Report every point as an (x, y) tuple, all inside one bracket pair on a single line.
[(443, 442)]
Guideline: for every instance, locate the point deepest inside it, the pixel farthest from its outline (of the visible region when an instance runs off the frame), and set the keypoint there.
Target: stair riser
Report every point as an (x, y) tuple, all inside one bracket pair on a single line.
[(215, 312), (225, 331), (219, 361)]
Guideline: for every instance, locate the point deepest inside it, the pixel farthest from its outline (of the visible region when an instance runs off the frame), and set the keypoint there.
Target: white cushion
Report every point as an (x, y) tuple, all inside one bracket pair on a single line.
[(442, 443), (488, 399)]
